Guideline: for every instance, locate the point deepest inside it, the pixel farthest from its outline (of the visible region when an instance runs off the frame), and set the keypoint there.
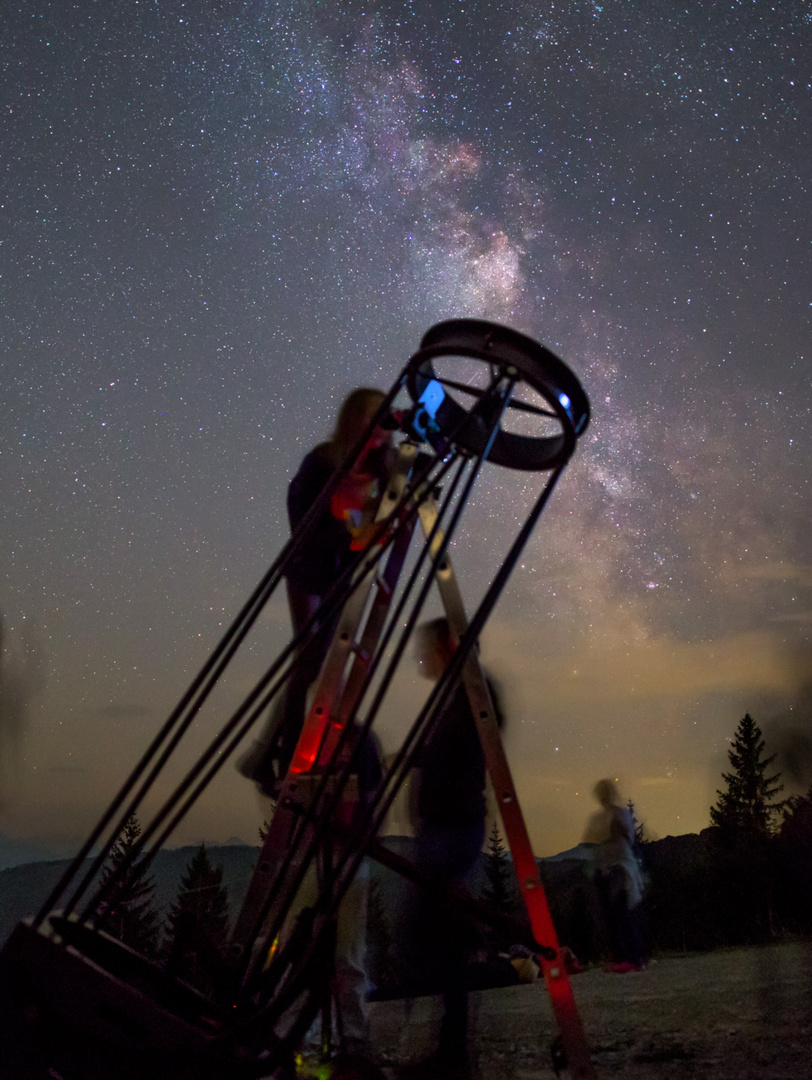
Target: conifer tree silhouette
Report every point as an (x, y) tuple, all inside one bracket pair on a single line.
[(497, 872), (749, 803), (742, 884), (198, 924), (127, 912), (640, 837)]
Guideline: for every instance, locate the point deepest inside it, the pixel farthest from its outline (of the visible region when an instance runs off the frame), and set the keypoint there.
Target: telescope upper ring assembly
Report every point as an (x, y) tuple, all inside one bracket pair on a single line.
[(509, 355)]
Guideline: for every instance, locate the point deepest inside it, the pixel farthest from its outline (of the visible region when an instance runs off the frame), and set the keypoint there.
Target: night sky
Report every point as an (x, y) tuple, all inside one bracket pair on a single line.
[(218, 217)]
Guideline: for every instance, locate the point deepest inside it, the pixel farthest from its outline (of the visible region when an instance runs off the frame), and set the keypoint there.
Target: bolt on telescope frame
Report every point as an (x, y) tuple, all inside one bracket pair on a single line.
[(75, 1000)]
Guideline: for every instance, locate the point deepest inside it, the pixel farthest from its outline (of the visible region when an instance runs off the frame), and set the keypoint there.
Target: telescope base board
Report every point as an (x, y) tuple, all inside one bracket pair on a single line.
[(63, 1014)]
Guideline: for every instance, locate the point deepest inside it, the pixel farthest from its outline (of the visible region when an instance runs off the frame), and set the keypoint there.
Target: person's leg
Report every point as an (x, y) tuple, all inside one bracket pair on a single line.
[(606, 902), (305, 671), (351, 982), (630, 932), (270, 756), (625, 939), (451, 855)]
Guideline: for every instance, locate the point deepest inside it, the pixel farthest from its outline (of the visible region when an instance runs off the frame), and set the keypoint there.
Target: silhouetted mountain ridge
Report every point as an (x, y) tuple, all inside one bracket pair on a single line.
[(24, 888)]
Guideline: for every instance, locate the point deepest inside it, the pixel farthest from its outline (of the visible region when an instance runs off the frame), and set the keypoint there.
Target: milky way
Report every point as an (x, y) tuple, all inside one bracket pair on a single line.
[(219, 217)]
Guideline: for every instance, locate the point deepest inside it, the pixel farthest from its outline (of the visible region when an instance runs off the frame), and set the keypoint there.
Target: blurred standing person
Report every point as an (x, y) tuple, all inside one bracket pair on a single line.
[(618, 880), (449, 810), (324, 553)]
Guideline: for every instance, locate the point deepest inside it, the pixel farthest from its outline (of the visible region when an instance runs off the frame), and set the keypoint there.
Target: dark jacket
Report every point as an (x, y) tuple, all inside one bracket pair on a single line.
[(451, 782), (325, 551)]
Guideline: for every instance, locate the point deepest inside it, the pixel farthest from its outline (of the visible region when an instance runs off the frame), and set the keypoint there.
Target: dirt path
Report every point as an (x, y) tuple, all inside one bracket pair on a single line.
[(743, 1014)]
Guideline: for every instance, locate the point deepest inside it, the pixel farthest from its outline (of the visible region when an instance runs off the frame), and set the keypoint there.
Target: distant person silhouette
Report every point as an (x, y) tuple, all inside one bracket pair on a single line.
[(618, 881)]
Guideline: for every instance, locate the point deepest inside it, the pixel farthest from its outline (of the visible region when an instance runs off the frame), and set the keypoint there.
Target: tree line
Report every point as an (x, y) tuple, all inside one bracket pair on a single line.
[(747, 878), (744, 880), (192, 941)]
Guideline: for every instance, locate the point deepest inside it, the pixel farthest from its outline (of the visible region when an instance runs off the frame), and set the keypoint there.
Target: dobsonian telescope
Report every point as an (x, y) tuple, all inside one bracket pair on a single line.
[(77, 1004)]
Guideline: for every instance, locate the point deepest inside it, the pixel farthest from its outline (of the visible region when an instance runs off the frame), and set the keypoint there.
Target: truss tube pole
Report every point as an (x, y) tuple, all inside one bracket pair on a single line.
[(315, 748), (421, 482), (263, 891), (395, 617), (388, 633), (558, 984), (208, 675), (403, 527), (441, 693), (417, 492), (362, 570), (356, 688), (378, 543), (332, 602), (341, 877), (271, 580)]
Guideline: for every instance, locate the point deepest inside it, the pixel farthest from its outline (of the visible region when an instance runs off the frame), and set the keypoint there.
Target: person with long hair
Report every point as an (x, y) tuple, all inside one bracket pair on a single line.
[(322, 555)]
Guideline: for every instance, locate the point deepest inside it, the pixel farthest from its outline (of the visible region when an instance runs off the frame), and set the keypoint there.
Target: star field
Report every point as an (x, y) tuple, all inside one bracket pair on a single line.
[(219, 217)]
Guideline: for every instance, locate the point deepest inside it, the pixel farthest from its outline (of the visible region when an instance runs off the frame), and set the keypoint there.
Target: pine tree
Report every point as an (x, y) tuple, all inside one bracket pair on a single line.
[(127, 911), (497, 872), (640, 837), (748, 805), (198, 924)]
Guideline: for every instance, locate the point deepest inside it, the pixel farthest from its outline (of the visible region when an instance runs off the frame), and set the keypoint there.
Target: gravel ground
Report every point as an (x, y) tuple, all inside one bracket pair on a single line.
[(743, 1014)]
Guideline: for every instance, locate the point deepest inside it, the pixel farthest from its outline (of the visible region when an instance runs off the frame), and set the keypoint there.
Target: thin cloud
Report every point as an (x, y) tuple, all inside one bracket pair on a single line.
[(617, 669), (798, 617), (123, 712), (793, 573)]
